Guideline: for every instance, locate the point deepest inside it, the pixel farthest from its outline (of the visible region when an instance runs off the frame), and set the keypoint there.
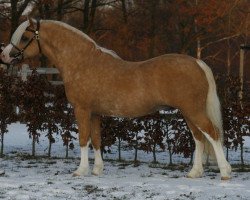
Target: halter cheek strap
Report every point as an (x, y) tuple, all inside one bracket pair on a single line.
[(35, 37)]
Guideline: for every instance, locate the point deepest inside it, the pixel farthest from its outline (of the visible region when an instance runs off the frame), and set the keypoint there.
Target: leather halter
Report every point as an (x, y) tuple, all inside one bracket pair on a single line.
[(19, 54)]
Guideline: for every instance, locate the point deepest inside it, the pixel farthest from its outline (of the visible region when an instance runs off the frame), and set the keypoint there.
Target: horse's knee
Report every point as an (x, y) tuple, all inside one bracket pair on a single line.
[(83, 122), (84, 139), (96, 139), (96, 133), (96, 142)]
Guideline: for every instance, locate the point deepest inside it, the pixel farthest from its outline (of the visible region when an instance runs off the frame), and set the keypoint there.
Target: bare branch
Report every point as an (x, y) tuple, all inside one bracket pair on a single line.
[(220, 40)]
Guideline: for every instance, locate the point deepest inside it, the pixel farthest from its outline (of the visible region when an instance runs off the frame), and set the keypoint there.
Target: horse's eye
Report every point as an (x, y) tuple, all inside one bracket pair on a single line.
[(24, 39)]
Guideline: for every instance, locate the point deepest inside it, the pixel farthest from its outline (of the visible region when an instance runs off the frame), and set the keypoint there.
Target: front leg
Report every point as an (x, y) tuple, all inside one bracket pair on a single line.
[(96, 142), (83, 122)]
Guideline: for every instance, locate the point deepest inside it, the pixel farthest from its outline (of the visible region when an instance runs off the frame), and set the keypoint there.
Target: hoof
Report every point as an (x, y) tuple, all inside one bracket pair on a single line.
[(75, 174), (195, 173), (98, 170), (80, 172), (225, 172), (225, 178), (193, 176)]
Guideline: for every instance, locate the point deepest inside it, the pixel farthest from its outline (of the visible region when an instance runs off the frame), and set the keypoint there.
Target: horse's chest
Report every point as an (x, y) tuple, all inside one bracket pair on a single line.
[(77, 93)]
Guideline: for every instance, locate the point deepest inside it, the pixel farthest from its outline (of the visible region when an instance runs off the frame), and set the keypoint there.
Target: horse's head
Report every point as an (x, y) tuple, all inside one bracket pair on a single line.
[(23, 43)]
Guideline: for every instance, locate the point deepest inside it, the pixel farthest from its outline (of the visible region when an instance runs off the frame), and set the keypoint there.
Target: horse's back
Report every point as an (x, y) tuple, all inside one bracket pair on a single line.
[(174, 76)]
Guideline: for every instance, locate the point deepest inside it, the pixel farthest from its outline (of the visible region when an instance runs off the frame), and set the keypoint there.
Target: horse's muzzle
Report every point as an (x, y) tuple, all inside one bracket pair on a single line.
[(16, 60)]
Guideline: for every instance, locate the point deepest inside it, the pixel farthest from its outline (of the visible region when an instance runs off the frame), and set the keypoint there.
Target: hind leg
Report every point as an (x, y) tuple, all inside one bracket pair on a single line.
[(197, 169), (212, 134), (224, 166), (96, 142)]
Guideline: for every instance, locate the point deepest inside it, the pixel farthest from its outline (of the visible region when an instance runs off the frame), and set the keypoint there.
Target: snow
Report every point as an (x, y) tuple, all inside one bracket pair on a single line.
[(51, 178)]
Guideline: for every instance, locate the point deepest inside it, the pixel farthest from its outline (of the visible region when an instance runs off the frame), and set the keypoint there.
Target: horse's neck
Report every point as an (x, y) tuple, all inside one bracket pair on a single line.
[(67, 50)]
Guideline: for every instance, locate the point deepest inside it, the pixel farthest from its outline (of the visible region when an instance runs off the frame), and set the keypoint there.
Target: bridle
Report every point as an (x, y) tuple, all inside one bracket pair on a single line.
[(19, 54)]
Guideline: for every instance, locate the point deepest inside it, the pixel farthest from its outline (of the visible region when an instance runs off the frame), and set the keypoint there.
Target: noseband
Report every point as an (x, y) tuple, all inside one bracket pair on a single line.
[(19, 54)]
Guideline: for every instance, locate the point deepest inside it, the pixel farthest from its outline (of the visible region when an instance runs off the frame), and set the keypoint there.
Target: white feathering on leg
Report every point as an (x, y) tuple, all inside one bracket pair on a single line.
[(98, 165), (83, 168), (225, 168), (197, 169)]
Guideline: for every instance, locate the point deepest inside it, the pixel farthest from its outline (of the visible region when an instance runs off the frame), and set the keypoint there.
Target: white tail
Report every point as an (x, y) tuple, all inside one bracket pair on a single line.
[(213, 107)]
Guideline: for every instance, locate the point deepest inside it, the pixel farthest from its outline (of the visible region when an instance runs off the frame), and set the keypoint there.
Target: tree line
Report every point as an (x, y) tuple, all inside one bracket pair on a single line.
[(44, 109), (140, 29), (137, 30)]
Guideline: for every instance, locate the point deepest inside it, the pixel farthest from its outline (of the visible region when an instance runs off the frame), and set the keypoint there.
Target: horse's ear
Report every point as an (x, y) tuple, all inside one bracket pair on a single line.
[(31, 22)]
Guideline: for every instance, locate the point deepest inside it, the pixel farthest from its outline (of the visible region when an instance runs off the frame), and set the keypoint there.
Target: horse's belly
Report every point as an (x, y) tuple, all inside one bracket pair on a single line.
[(128, 110)]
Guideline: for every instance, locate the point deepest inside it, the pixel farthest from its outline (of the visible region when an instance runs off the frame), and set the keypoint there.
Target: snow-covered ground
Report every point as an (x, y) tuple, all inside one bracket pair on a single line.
[(43, 178)]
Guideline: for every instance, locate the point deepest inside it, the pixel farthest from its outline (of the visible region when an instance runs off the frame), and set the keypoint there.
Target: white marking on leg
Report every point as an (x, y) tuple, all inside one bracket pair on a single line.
[(83, 168), (98, 166), (197, 169), (209, 157), (225, 168)]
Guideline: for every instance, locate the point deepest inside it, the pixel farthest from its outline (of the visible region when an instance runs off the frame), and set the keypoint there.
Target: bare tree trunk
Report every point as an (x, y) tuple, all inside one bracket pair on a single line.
[(229, 46), (119, 148), (34, 143), (86, 15), (241, 75), (50, 142), (198, 41), (16, 12), (2, 144), (242, 154), (124, 11), (228, 58), (59, 9), (198, 48), (170, 157), (67, 151), (154, 153), (92, 16), (47, 14), (136, 150), (151, 49), (14, 16), (49, 151)]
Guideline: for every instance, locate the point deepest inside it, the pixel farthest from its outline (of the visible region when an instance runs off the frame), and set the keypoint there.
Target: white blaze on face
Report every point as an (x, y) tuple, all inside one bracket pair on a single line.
[(16, 37), (5, 56)]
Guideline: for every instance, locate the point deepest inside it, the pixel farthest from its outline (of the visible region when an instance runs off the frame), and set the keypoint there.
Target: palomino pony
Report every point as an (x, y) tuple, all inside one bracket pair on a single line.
[(98, 82)]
